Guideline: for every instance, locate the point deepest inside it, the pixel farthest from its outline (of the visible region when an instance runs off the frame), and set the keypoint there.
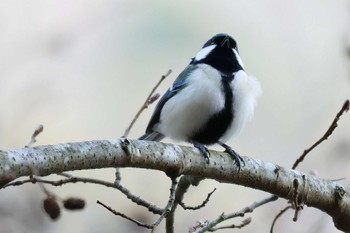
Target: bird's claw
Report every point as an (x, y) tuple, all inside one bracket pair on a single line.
[(204, 150), (236, 157)]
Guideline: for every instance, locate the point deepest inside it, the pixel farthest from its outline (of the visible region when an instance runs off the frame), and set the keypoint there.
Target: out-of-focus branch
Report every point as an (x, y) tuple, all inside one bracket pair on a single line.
[(325, 195)]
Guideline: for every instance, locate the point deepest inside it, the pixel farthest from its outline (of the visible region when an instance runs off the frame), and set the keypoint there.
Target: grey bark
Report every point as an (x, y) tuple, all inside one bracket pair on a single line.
[(174, 160)]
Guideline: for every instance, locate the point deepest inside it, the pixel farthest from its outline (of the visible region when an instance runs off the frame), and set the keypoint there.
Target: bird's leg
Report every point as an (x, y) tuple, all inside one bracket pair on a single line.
[(238, 159), (205, 152)]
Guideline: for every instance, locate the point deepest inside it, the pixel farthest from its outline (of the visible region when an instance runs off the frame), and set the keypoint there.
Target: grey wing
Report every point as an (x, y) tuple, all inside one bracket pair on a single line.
[(152, 136), (177, 86)]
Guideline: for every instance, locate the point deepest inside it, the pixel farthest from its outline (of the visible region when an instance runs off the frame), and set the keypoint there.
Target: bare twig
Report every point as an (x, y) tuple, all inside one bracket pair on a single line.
[(166, 211), (118, 177), (198, 206), (295, 202), (330, 130), (277, 216), (149, 100), (74, 179), (134, 198), (124, 216), (244, 223), (39, 129), (240, 213), (184, 184), (170, 204)]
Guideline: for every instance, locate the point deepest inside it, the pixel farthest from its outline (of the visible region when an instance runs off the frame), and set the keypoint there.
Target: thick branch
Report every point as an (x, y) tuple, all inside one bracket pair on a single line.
[(325, 195)]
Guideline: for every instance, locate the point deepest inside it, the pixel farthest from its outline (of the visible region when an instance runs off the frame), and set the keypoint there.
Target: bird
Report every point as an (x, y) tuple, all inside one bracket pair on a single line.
[(209, 102)]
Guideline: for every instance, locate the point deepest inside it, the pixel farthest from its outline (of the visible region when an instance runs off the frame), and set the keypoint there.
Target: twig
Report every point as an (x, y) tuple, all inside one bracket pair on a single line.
[(330, 130), (277, 216), (239, 213), (149, 100), (169, 206), (74, 179), (124, 216), (184, 184), (39, 129), (198, 206), (118, 177), (295, 202), (244, 223), (50, 204), (166, 211)]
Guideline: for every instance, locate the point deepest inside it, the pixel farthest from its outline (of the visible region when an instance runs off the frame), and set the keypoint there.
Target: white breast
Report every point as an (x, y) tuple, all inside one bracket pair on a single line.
[(245, 90), (188, 110)]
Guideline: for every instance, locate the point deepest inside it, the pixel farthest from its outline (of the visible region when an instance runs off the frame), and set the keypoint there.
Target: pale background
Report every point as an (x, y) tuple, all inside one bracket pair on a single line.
[(83, 68)]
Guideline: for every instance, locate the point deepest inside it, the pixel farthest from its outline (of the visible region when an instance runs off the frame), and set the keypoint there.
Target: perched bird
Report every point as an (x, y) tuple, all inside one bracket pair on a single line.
[(210, 101)]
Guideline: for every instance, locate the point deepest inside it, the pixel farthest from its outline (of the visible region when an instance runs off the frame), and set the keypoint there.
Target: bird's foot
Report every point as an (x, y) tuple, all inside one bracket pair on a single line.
[(204, 151), (235, 156)]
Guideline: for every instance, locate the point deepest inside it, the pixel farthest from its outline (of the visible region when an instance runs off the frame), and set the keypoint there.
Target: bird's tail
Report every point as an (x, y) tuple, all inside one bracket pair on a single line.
[(152, 136)]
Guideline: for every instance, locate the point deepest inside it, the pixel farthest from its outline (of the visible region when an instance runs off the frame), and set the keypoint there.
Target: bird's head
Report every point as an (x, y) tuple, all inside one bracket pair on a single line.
[(220, 52)]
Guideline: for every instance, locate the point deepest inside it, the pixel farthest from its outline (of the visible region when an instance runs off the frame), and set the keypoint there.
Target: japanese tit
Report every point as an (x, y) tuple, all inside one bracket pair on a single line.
[(210, 101)]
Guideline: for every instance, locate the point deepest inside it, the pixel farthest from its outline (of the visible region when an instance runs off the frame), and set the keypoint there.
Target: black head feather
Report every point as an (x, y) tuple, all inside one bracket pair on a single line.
[(222, 57)]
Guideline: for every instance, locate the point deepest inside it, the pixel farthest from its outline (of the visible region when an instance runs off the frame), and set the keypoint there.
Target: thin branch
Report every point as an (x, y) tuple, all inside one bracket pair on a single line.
[(330, 130), (39, 129), (278, 216), (118, 176), (240, 213), (74, 179), (244, 223), (149, 100), (166, 211), (184, 184), (198, 206), (295, 200), (170, 204), (125, 216)]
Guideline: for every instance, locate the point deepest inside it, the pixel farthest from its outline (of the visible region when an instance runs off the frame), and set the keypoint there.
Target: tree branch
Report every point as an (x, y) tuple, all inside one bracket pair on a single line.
[(328, 133), (184, 184), (185, 207), (325, 195), (149, 226), (240, 213), (149, 100), (75, 179)]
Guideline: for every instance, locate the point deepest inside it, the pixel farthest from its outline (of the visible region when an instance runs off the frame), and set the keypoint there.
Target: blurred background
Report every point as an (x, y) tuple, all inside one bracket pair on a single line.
[(83, 69)]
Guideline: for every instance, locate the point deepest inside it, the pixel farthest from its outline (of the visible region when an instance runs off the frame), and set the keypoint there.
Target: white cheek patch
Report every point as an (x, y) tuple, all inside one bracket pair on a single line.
[(238, 58), (203, 53)]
